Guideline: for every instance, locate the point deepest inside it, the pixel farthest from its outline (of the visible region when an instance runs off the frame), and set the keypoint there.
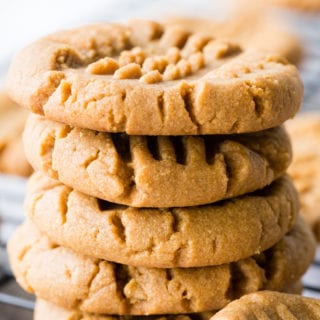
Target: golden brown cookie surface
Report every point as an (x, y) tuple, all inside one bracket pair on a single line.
[(49, 311), (269, 305), (65, 278), (144, 171), (252, 27), (162, 81), (12, 119), (186, 237), (305, 134)]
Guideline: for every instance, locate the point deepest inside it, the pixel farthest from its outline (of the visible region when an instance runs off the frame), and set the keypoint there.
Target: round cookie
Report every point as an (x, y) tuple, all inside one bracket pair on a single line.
[(70, 280), (162, 81), (49, 311), (145, 171), (305, 134), (271, 305), (12, 120), (162, 238)]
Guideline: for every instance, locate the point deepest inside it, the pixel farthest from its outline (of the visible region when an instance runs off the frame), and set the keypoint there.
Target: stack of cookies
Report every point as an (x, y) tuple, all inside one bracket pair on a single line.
[(160, 183)]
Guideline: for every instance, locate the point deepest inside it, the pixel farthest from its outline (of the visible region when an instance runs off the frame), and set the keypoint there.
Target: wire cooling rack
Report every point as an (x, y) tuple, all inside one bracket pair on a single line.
[(15, 304)]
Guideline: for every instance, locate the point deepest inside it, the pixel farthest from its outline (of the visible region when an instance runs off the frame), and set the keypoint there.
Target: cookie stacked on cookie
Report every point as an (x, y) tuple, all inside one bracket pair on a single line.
[(160, 183)]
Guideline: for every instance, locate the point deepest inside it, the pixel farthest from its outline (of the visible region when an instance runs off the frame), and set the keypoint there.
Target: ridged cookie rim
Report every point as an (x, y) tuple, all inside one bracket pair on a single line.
[(186, 237), (88, 282), (262, 91), (142, 171)]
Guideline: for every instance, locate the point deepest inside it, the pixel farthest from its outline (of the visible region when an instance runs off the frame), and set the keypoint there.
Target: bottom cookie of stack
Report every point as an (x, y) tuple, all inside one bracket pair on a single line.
[(70, 280), (49, 311), (261, 305)]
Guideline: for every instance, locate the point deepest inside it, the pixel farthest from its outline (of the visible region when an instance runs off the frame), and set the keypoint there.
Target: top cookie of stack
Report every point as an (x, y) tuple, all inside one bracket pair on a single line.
[(147, 79)]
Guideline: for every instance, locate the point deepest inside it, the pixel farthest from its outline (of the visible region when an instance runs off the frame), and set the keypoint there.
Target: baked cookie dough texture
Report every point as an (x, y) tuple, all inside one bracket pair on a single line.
[(162, 81), (267, 305), (160, 187), (253, 25)]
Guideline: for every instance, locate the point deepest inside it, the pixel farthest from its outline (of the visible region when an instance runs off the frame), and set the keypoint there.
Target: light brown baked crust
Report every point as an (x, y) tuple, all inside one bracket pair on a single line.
[(270, 305), (162, 238), (12, 119), (251, 26), (50, 311), (70, 280), (143, 171), (305, 134), (73, 77)]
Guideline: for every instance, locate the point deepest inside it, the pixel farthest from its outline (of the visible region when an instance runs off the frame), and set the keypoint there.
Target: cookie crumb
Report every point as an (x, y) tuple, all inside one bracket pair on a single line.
[(155, 63), (171, 72), (173, 54), (194, 44), (153, 76), (129, 71), (196, 61), (136, 55), (219, 50), (184, 67), (65, 90), (103, 66)]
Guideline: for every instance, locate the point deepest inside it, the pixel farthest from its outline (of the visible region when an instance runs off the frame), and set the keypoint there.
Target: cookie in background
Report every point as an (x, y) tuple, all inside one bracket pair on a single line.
[(305, 5), (252, 27), (12, 120), (305, 168)]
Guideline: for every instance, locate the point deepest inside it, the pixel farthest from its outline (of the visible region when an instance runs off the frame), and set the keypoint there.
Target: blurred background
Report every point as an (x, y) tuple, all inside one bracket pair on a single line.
[(286, 29)]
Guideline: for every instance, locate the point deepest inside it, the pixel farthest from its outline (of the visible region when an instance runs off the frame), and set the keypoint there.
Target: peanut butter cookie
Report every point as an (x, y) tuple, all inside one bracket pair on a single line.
[(50, 311), (252, 27), (269, 305), (163, 238), (70, 280), (145, 171), (148, 79)]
